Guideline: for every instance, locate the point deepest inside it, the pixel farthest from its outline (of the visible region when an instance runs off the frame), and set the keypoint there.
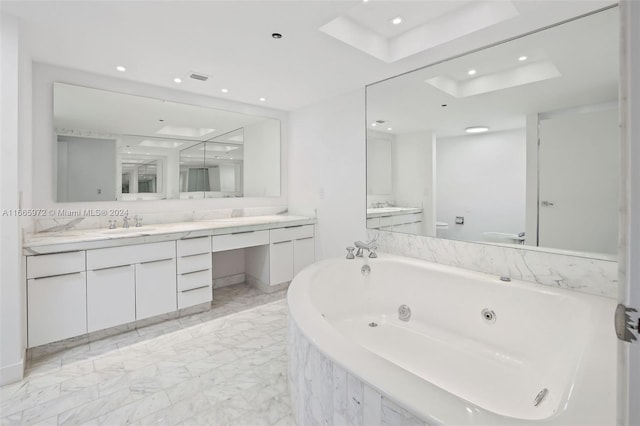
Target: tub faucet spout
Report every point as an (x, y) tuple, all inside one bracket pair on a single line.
[(370, 246)]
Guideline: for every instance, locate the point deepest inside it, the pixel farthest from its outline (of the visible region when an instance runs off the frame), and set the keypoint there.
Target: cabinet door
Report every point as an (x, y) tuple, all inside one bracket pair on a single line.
[(280, 262), (304, 254), (57, 308), (155, 288), (111, 297)]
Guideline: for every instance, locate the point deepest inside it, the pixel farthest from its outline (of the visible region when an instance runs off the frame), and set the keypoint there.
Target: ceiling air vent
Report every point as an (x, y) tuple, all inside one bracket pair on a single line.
[(200, 77)]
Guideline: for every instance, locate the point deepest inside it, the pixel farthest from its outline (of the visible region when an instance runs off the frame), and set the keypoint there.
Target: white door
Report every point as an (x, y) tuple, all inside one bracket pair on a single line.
[(304, 253), (579, 182), (155, 288), (111, 297)]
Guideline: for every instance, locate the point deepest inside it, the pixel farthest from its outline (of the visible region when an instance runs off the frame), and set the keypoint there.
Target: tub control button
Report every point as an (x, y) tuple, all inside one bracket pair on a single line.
[(404, 313), (488, 315)]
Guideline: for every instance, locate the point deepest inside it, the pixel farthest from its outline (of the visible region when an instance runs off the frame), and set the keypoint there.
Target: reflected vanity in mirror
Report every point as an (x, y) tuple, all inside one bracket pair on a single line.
[(516, 144), (115, 146)]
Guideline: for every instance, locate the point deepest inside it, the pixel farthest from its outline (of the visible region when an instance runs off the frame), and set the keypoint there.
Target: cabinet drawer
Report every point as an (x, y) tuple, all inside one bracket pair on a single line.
[(56, 308), (239, 240), (193, 263), (55, 264), (386, 221), (291, 233), (193, 246), (407, 218), (195, 279), (194, 297), (374, 222), (128, 255)]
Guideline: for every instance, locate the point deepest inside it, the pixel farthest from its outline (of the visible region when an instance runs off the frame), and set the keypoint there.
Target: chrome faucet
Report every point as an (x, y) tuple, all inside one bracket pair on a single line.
[(370, 246), (138, 220), (125, 222)]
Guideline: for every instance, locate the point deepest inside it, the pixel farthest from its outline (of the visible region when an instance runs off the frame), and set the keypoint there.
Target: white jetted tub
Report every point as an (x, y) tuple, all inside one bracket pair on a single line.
[(469, 349)]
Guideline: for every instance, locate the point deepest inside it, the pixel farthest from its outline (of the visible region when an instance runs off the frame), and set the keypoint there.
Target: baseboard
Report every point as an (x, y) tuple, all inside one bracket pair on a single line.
[(12, 373), (229, 280)]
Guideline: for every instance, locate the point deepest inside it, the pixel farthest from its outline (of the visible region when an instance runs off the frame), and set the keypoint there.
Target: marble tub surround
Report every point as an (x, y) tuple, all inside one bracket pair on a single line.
[(82, 239), (584, 274), (202, 369), (59, 217), (323, 393)]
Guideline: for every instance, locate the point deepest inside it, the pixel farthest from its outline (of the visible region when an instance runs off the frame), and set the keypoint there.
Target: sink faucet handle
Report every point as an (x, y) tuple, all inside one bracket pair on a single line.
[(372, 252), (138, 220), (350, 252)]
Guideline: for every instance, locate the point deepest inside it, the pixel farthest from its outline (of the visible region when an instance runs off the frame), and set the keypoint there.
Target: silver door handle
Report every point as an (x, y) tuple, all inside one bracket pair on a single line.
[(546, 203)]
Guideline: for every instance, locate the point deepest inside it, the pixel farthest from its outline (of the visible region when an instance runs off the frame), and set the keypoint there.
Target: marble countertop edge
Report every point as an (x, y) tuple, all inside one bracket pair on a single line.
[(84, 239)]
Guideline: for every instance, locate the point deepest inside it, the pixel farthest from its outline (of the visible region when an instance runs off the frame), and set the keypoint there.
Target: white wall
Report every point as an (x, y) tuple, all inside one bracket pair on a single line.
[(15, 66), (414, 176), (482, 178), (261, 142), (327, 170), (380, 148), (41, 165)]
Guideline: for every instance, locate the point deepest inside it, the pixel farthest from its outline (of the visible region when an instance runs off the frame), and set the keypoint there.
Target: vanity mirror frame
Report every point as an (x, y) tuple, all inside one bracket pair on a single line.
[(429, 209)]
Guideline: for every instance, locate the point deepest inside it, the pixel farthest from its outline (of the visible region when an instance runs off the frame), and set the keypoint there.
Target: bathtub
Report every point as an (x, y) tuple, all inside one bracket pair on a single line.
[(475, 349)]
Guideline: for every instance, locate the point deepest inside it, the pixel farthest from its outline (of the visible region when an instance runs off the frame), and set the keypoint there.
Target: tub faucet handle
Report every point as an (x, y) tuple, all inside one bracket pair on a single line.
[(372, 252), (350, 252), (138, 220), (112, 224)]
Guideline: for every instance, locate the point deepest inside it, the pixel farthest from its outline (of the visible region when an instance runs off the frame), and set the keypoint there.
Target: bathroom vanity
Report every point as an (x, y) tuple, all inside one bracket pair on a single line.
[(83, 281)]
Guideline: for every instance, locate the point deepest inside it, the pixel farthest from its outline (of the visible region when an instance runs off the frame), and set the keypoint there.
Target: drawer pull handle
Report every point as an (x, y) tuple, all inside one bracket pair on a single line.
[(155, 261), (281, 242), (305, 238), (57, 275), (196, 254), (195, 272), (193, 238), (57, 252), (293, 226), (195, 288), (110, 267), (242, 232)]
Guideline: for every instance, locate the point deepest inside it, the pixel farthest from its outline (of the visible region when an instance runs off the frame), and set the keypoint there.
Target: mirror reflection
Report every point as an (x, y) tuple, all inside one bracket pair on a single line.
[(149, 149), (516, 144)]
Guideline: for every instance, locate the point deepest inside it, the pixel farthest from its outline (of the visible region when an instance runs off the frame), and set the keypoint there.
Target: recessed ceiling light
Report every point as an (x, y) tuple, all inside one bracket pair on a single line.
[(263, 99), (121, 68), (522, 58), (476, 129), (389, 128), (224, 90), (177, 80), (365, 1), (471, 72), (397, 20), (374, 124)]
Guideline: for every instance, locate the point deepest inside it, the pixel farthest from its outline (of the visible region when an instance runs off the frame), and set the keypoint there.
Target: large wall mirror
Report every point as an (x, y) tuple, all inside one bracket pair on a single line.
[(115, 146), (516, 144)]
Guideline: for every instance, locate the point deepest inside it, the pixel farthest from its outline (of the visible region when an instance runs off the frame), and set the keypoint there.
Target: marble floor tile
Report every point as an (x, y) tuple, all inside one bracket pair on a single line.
[(226, 366)]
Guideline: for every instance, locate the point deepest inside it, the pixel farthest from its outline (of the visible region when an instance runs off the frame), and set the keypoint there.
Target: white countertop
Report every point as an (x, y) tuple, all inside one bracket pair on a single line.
[(83, 239), (391, 211)]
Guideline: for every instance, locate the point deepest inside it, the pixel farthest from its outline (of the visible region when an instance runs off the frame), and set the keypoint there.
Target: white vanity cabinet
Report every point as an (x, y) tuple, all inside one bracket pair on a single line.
[(195, 278), (56, 297), (129, 283), (290, 249)]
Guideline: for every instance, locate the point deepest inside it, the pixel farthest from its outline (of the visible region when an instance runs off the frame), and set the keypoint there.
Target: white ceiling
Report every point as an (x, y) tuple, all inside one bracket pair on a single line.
[(231, 42), (584, 54)]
